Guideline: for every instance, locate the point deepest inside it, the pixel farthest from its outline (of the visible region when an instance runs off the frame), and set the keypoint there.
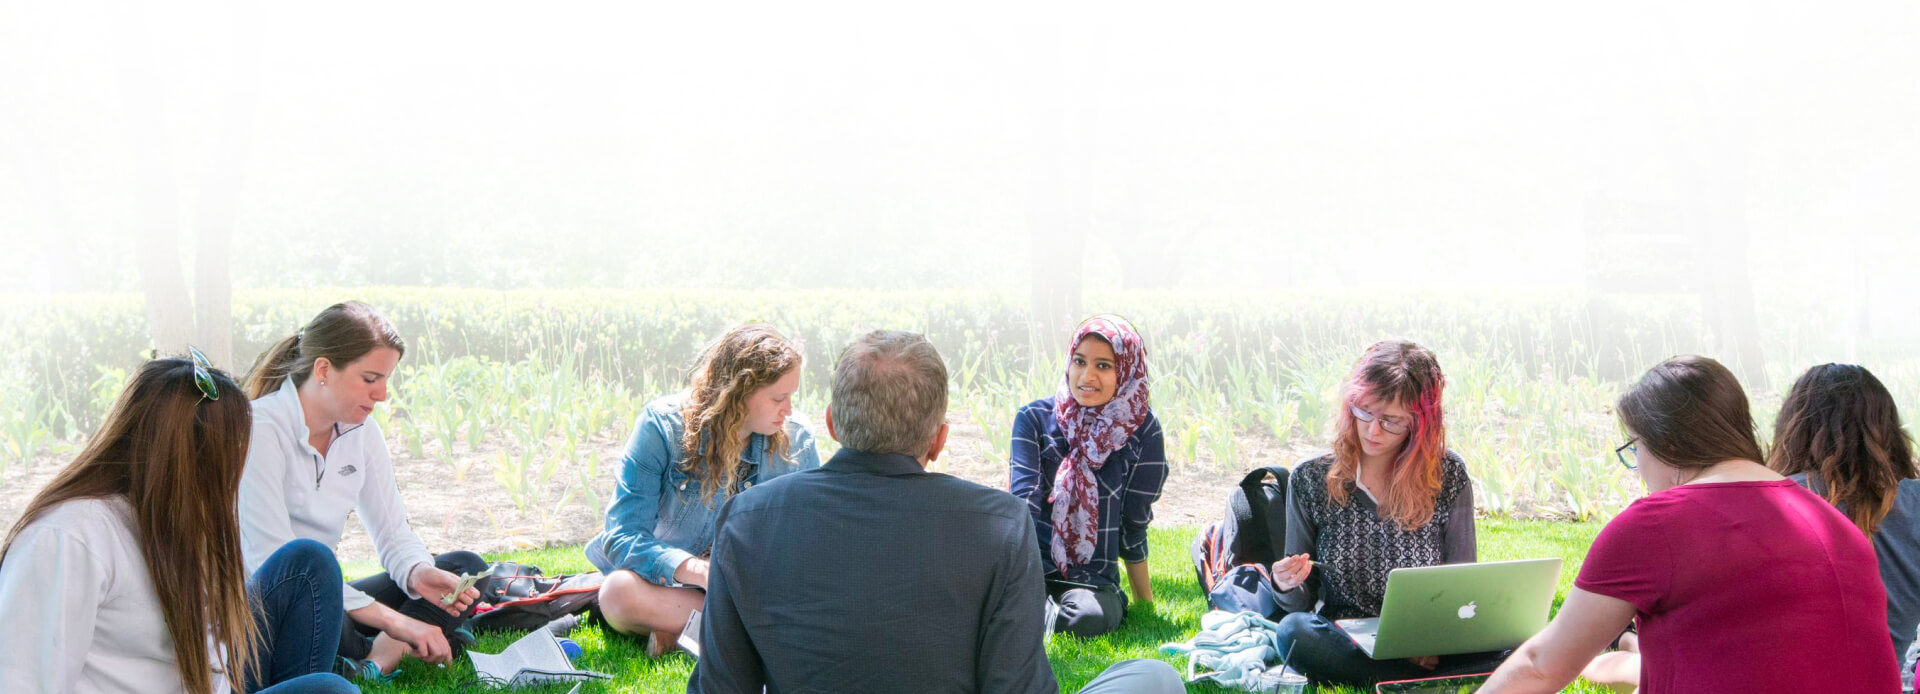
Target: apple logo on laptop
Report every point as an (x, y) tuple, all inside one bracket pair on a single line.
[(1466, 611)]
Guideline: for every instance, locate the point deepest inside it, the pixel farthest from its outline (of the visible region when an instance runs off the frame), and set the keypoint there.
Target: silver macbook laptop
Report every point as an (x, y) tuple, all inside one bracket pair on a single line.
[(1458, 608)]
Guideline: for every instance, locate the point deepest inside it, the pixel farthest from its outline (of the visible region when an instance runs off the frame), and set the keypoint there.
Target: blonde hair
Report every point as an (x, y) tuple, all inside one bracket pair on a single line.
[(746, 359)]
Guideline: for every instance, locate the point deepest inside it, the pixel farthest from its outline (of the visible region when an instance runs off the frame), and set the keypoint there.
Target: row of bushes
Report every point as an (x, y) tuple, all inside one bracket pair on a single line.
[(71, 341)]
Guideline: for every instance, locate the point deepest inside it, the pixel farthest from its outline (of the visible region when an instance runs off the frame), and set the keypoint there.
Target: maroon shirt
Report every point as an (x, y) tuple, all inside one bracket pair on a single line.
[(1747, 587)]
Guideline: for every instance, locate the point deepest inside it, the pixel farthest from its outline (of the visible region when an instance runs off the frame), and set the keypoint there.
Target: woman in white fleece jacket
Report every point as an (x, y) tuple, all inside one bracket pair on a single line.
[(315, 456)]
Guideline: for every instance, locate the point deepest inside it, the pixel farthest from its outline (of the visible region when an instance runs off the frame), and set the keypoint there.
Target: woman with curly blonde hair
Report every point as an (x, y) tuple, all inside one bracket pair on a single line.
[(690, 451)]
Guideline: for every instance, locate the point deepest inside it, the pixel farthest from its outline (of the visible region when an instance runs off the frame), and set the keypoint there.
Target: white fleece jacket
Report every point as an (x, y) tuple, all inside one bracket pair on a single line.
[(80, 609), (290, 491)]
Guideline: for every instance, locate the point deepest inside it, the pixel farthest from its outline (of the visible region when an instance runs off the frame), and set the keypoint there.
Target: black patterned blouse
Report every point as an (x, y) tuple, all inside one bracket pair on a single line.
[(1355, 547)]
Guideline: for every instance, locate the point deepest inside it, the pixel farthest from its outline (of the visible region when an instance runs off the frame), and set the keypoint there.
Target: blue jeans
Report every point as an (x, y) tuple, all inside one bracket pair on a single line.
[(296, 599), (316, 683), (1324, 652)]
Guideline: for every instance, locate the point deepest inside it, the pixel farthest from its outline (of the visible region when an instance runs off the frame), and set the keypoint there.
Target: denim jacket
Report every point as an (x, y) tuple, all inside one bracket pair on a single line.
[(657, 519)]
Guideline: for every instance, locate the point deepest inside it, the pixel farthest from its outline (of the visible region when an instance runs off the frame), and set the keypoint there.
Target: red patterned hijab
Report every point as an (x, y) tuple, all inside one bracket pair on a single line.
[(1093, 433)]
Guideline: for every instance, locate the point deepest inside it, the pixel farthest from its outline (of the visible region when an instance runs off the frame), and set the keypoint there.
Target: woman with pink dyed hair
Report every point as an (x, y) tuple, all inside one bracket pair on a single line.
[(1390, 495)]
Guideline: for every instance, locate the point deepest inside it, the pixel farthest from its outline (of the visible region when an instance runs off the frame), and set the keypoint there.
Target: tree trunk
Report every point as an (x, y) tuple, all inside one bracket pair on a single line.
[(1057, 279), (213, 293), (1060, 193), (169, 310), (1728, 300), (1717, 157), (157, 231), (220, 195)]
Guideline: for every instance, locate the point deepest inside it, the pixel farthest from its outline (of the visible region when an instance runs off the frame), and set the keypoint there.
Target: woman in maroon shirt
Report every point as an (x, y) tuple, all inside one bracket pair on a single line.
[(1737, 579)]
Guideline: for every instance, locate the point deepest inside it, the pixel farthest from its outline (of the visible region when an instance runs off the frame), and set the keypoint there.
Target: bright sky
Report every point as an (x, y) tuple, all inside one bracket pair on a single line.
[(1428, 145)]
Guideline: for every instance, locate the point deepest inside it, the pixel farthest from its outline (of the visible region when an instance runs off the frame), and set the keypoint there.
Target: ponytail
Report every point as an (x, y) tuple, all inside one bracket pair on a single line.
[(271, 368), (341, 334)]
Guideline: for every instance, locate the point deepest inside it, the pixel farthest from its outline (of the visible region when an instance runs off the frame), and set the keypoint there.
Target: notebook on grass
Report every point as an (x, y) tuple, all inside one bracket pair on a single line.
[(535, 659)]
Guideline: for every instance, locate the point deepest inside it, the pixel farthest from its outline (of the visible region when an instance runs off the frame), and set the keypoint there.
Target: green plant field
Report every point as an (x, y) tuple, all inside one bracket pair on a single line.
[(530, 375), (1174, 616)]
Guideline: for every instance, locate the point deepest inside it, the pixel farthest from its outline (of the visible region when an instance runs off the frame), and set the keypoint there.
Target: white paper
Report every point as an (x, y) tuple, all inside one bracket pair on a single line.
[(690, 635), (535, 659)]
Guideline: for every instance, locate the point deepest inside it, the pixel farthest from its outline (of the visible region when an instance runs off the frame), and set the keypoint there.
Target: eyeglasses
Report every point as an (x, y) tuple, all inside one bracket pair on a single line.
[(1626, 449), (1392, 425), (202, 376)]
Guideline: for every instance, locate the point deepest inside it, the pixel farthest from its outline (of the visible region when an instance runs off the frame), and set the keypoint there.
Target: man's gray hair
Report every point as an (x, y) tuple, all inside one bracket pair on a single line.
[(889, 394)]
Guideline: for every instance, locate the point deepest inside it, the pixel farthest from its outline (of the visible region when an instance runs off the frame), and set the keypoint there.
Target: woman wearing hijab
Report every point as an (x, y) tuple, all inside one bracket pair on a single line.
[(1090, 462)]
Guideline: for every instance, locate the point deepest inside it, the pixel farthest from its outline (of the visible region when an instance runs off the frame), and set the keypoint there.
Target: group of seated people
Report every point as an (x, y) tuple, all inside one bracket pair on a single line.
[(188, 546)]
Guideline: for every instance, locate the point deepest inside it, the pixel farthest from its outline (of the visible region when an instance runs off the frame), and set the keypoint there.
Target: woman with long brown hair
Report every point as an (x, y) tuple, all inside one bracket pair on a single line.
[(1737, 579), (1838, 434), (316, 456), (125, 573), (731, 429), (1390, 495)]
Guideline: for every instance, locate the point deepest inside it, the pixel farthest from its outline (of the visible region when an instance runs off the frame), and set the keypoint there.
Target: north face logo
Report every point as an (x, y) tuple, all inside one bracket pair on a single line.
[(348, 470)]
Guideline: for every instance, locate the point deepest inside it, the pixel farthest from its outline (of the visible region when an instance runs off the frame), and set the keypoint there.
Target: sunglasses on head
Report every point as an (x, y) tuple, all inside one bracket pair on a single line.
[(203, 374)]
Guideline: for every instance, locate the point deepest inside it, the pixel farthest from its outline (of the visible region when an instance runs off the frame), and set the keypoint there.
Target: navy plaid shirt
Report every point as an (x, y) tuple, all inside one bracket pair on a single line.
[(1130, 482)]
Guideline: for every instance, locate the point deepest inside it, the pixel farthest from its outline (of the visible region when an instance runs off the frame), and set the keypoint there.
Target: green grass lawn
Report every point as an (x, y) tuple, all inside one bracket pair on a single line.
[(1174, 616)]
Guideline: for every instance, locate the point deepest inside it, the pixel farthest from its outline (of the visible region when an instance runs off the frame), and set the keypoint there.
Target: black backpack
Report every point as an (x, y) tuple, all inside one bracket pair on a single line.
[(1231, 556), (517, 597)]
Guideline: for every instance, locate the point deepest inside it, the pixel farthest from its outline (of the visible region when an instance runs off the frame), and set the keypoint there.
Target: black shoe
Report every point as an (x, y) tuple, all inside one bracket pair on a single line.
[(460, 640)]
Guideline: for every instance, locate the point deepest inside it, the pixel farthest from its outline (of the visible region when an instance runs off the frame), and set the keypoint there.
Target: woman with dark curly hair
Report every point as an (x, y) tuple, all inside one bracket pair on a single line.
[(1839, 435)]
